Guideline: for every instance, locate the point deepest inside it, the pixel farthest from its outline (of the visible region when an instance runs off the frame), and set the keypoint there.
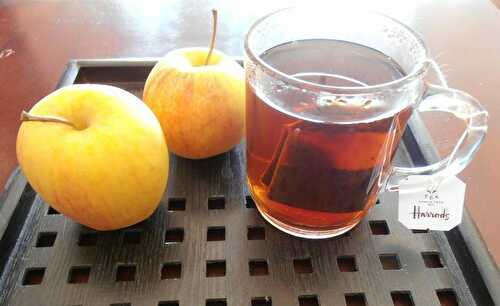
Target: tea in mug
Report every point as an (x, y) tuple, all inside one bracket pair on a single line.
[(304, 169)]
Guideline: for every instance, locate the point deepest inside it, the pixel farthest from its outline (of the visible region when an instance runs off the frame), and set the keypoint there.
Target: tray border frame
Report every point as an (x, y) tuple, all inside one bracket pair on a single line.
[(466, 241)]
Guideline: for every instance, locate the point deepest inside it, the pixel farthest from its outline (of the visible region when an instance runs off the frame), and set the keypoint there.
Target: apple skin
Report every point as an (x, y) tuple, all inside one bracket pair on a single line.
[(201, 108), (108, 173)]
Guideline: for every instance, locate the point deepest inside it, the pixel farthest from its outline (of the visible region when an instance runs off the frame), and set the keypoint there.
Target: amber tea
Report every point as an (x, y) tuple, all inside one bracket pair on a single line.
[(303, 169)]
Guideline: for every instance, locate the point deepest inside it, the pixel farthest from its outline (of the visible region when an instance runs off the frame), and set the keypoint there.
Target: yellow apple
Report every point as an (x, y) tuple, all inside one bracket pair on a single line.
[(200, 106), (95, 153)]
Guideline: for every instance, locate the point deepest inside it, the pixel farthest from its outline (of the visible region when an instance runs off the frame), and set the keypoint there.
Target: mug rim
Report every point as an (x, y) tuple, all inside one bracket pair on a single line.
[(420, 67)]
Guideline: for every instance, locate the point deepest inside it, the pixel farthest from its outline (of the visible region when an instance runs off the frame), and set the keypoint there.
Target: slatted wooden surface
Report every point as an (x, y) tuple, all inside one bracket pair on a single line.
[(207, 245)]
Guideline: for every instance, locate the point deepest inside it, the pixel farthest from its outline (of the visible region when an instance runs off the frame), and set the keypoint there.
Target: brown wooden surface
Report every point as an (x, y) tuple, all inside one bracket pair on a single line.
[(38, 38)]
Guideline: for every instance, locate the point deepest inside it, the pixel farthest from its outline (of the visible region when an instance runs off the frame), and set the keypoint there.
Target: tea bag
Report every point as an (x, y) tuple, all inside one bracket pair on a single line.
[(303, 173), (268, 174)]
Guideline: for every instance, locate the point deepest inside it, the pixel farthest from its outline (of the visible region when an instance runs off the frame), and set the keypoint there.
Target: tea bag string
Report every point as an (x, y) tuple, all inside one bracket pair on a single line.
[(437, 180)]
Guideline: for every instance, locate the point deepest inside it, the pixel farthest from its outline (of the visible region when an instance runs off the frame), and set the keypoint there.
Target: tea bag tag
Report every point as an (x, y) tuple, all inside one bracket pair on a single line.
[(434, 207)]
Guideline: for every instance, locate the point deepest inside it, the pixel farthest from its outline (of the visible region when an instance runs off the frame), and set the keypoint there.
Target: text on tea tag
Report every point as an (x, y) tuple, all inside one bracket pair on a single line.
[(434, 207)]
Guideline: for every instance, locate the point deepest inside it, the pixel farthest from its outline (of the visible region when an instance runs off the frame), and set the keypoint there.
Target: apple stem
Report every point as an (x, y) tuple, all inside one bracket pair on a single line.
[(214, 33), (25, 116)]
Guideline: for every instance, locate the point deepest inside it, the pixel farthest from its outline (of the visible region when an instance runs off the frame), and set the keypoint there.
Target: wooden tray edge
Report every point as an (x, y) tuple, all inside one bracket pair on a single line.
[(472, 249)]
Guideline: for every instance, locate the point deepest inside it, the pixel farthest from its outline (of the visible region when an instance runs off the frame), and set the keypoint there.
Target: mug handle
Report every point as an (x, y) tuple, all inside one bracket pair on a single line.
[(464, 107)]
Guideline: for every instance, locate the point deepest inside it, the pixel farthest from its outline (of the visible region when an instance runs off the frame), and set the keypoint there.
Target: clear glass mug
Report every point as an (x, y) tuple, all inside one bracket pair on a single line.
[(320, 143)]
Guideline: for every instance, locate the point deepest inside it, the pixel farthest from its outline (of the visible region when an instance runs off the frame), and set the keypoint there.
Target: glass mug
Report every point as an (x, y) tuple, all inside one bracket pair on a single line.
[(329, 93)]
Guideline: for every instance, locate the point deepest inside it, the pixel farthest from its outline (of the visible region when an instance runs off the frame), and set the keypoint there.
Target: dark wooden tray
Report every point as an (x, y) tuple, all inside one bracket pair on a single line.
[(207, 245)]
